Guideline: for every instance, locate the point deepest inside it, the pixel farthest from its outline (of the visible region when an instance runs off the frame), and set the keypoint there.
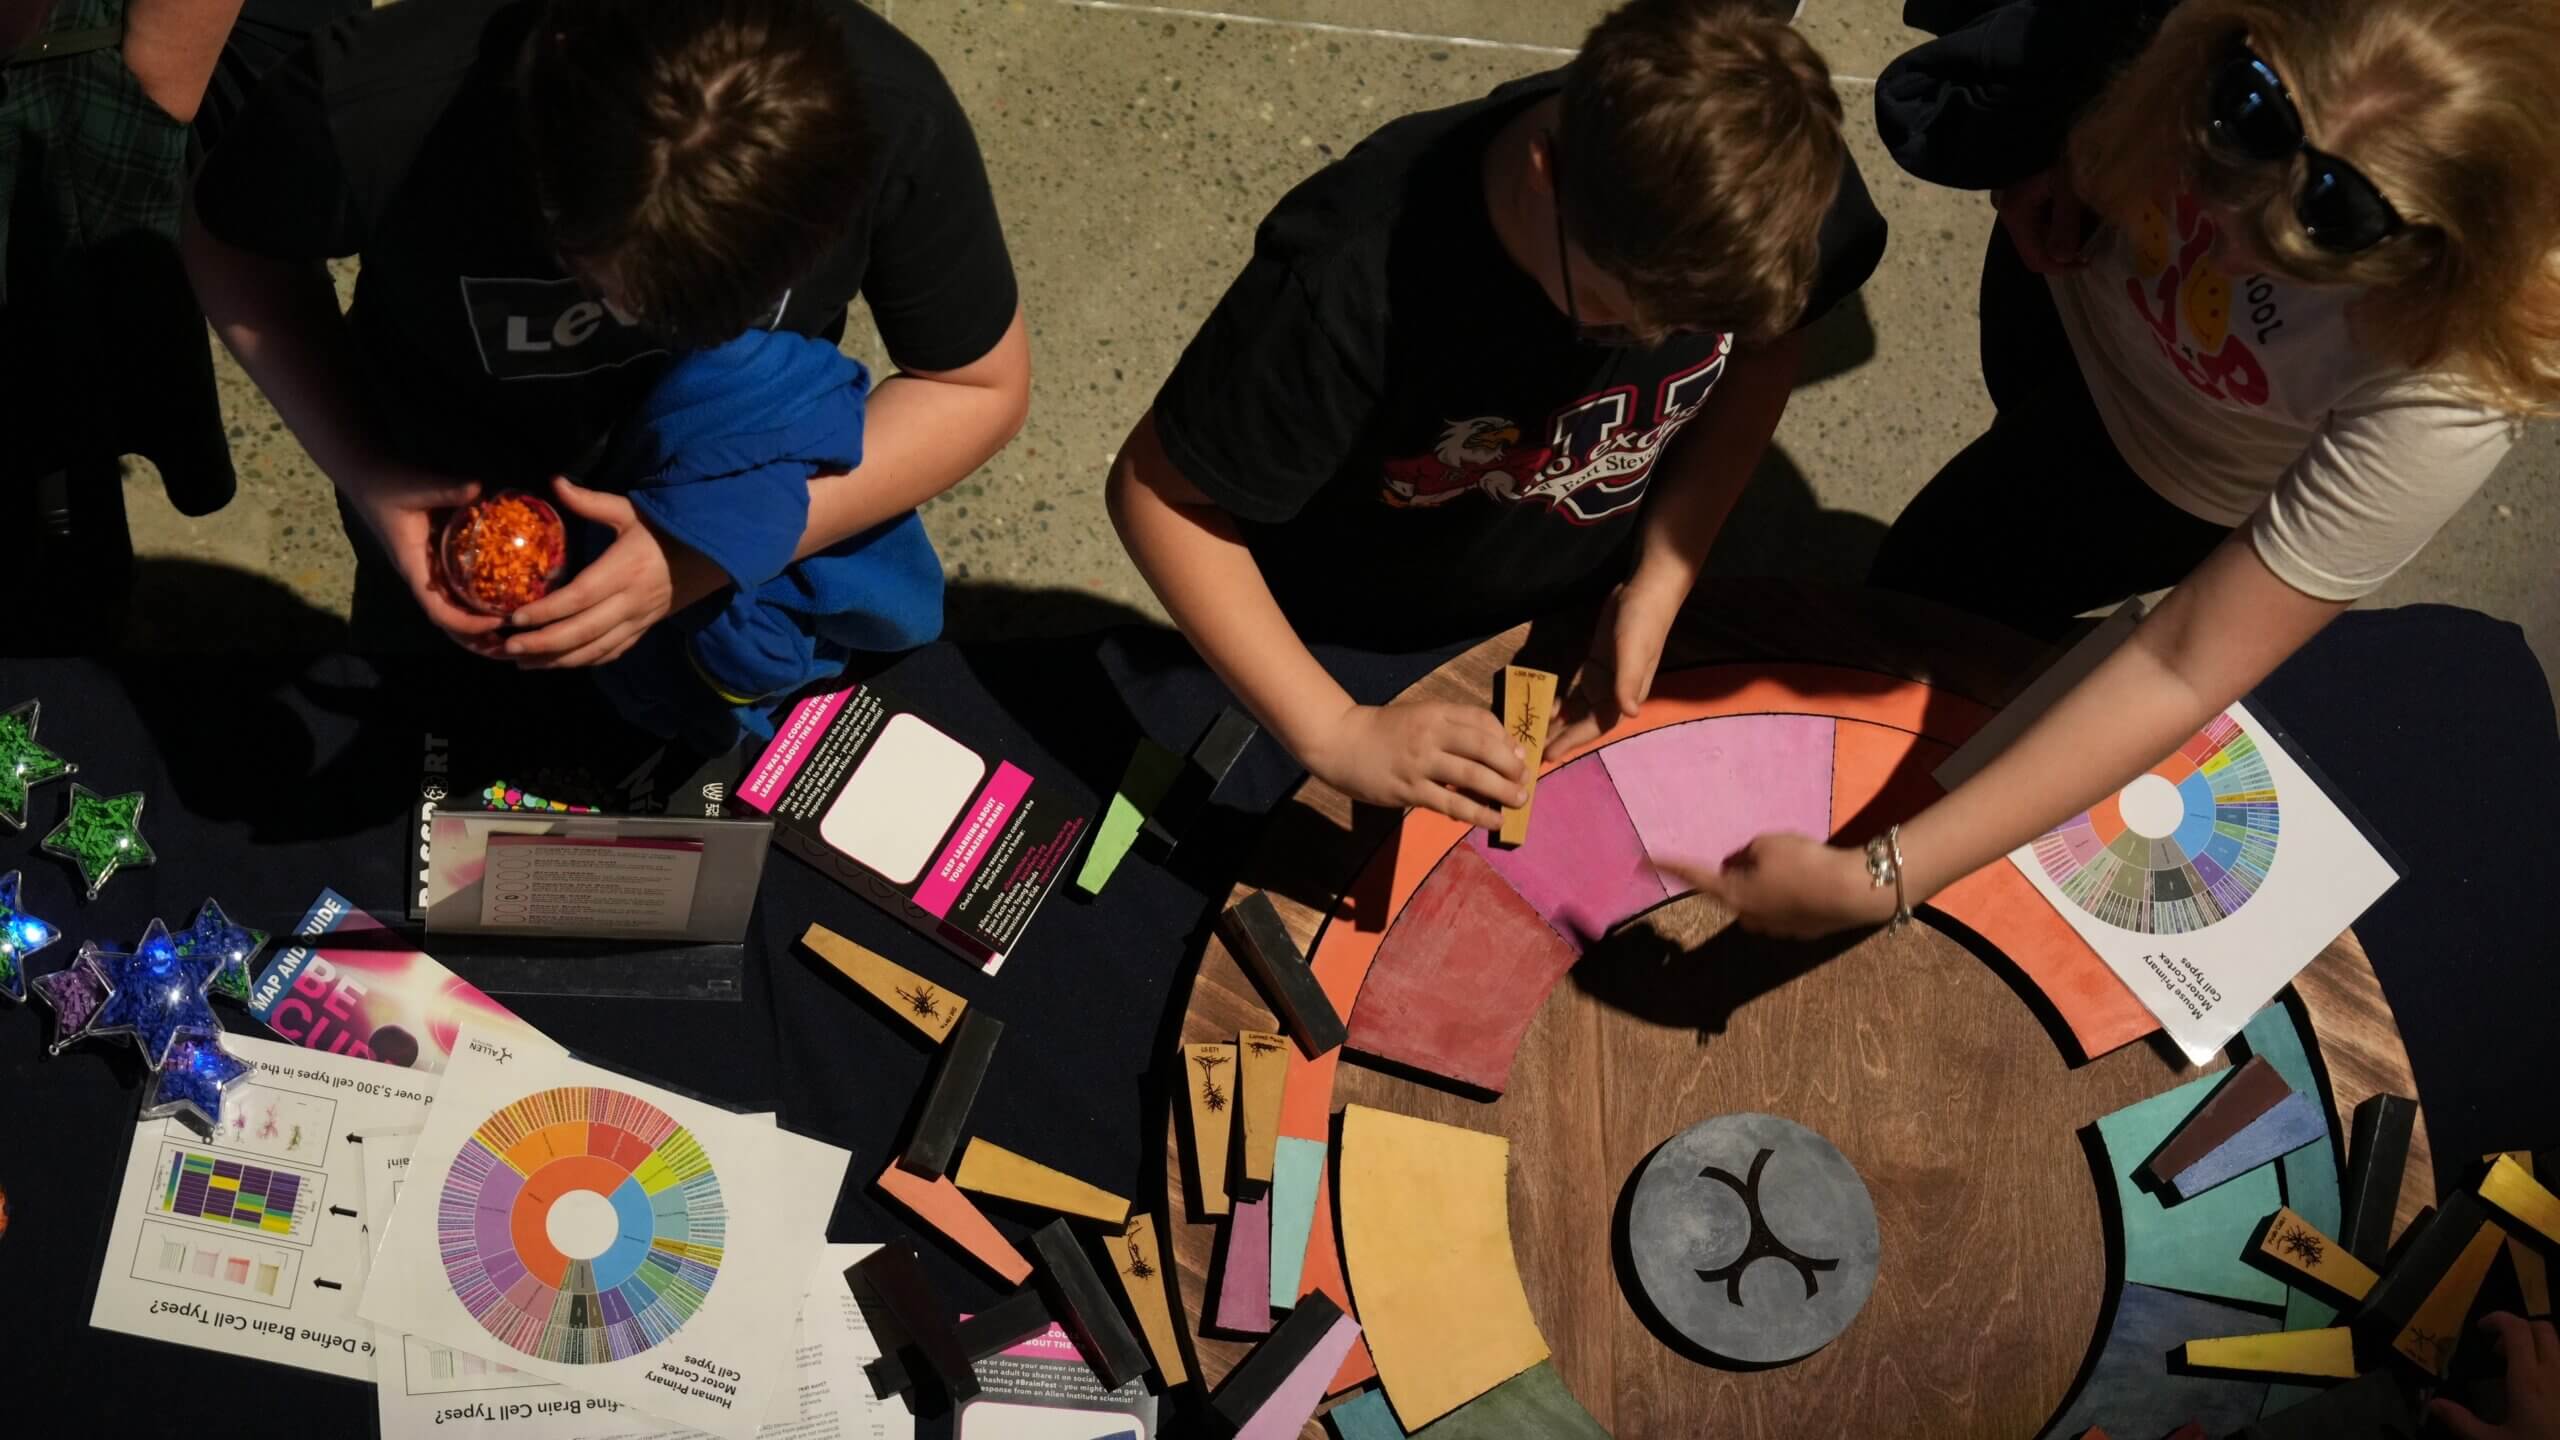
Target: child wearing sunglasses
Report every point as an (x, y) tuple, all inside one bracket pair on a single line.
[(1505, 357), (2295, 287)]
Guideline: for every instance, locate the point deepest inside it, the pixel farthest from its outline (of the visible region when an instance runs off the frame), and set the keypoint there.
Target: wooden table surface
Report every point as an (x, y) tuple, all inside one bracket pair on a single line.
[(1916, 1058)]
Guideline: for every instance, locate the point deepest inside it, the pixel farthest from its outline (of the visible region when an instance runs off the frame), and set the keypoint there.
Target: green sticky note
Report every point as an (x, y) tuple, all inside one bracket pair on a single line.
[(2196, 1245), (1151, 773)]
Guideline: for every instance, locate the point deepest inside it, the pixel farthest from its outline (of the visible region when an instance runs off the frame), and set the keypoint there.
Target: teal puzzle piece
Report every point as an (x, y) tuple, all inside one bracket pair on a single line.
[(1364, 1416), (1296, 1167), (2195, 1246)]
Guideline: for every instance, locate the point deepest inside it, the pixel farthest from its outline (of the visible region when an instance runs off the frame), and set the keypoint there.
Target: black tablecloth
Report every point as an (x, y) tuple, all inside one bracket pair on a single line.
[(269, 780)]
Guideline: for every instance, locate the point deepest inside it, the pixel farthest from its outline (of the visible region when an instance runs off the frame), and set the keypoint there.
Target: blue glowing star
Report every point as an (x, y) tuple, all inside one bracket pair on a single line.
[(222, 949), (152, 995), (191, 1082), (21, 935)]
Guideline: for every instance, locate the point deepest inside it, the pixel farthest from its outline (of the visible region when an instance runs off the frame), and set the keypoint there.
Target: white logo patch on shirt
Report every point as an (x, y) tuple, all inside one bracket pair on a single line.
[(550, 329)]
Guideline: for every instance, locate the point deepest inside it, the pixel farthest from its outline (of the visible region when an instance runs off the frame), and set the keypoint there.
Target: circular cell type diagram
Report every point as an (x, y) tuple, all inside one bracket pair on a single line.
[(2182, 847), (1752, 1238), (581, 1225)]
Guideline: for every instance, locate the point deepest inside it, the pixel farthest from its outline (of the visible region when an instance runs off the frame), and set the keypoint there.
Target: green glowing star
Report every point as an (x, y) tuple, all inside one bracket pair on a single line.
[(23, 762), (101, 835)]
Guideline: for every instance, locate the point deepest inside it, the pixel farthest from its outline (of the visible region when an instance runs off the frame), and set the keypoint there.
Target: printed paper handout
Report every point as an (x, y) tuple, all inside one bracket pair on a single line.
[(834, 1400), (252, 1240), (424, 1389), (607, 1235), (961, 846), (1042, 1389), (371, 997), (2210, 881)]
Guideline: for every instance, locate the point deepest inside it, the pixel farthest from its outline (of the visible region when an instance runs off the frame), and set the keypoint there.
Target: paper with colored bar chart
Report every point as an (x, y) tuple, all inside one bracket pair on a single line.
[(252, 1240), (616, 1238), (2211, 880)]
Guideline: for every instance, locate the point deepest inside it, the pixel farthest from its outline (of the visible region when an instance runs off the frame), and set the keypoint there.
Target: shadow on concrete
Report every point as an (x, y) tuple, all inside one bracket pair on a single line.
[(1838, 342), (1779, 528), (183, 606)]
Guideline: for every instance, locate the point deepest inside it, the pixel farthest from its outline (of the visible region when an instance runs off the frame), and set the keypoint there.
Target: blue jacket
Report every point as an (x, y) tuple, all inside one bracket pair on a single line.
[(719, 457)]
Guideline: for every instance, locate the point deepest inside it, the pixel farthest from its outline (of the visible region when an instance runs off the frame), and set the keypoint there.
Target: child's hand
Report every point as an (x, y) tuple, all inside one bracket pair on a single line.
[(1430, 754), (400, 504), (639, 580), (2532, 1352), (1626, 650), (1790, 887)]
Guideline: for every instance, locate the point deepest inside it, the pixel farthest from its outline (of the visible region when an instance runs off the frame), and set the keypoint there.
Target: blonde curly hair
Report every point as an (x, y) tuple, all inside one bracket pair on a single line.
[(2450, 107)]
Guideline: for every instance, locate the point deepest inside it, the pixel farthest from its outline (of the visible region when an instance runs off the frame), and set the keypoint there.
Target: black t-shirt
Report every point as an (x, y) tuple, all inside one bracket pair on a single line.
[(1416, 443), (394, 136)]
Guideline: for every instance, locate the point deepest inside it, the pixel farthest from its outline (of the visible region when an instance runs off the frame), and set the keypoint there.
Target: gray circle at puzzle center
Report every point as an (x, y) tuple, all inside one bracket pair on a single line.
[(1818, 1233)]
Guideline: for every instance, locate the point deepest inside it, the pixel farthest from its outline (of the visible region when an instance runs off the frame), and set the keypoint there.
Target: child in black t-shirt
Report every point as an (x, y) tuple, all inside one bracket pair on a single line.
[(550, 198), (1436, 399)]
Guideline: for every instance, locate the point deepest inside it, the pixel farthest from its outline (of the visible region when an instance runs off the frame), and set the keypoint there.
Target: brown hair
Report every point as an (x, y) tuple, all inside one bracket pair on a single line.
[(695, 158), (2450, 107), (1698, 152)]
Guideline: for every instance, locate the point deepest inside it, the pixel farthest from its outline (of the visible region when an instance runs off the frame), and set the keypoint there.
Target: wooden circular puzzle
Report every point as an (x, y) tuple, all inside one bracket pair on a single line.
[(1529, 1025)]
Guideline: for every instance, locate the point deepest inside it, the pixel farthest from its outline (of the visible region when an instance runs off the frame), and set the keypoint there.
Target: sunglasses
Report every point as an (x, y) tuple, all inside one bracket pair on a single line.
[(2250, 114)]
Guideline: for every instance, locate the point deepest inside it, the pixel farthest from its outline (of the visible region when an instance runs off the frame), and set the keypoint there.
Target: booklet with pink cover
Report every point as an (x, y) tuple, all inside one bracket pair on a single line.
[(367, 994)]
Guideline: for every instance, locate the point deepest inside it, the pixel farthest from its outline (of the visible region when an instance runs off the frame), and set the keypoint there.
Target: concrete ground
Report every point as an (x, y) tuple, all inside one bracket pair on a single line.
[(1133, 147)]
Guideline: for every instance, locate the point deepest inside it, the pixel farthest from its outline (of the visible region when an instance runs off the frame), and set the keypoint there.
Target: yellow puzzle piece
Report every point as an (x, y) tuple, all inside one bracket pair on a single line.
[(1264, 1058), (993, 1170), (904, 993), (2319, 1354), (1528, 702)]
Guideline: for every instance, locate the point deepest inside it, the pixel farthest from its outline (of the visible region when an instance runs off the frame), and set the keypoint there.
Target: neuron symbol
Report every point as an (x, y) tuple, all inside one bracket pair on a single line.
[(1763, 1245), (1262, 1045), (1139, 1269), (2437, 1347), (2304, 1244), (1525, 730), (923, 1002), (1212, 1098)]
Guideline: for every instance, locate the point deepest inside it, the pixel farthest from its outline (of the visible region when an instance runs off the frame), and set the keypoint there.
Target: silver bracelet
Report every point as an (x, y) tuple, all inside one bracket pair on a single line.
[(1884, 867)]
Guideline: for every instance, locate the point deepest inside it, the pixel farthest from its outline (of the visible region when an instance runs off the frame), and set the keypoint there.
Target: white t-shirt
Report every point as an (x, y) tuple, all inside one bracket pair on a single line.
[(2247, 401)]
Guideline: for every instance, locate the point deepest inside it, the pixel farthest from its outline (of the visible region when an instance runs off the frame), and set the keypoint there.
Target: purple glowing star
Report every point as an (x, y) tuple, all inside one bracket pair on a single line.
[(152, 994), (75, 992)]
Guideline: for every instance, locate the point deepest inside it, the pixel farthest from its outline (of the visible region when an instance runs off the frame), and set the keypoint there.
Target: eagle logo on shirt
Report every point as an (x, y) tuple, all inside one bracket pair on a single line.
[(1470, 455), (1599, 452)]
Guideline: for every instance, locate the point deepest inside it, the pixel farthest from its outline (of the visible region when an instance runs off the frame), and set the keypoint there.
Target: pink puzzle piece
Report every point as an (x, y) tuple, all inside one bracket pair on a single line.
[(1244, 1293), (1700, 791), (1583, 866)]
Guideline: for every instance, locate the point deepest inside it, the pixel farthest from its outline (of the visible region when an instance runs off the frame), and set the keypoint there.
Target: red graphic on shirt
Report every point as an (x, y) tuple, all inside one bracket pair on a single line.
[(1479, 454), (1591, 467), (2184, 294)]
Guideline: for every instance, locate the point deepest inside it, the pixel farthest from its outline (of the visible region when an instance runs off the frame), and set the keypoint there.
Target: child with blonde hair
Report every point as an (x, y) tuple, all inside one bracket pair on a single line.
[(2278, 306)]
